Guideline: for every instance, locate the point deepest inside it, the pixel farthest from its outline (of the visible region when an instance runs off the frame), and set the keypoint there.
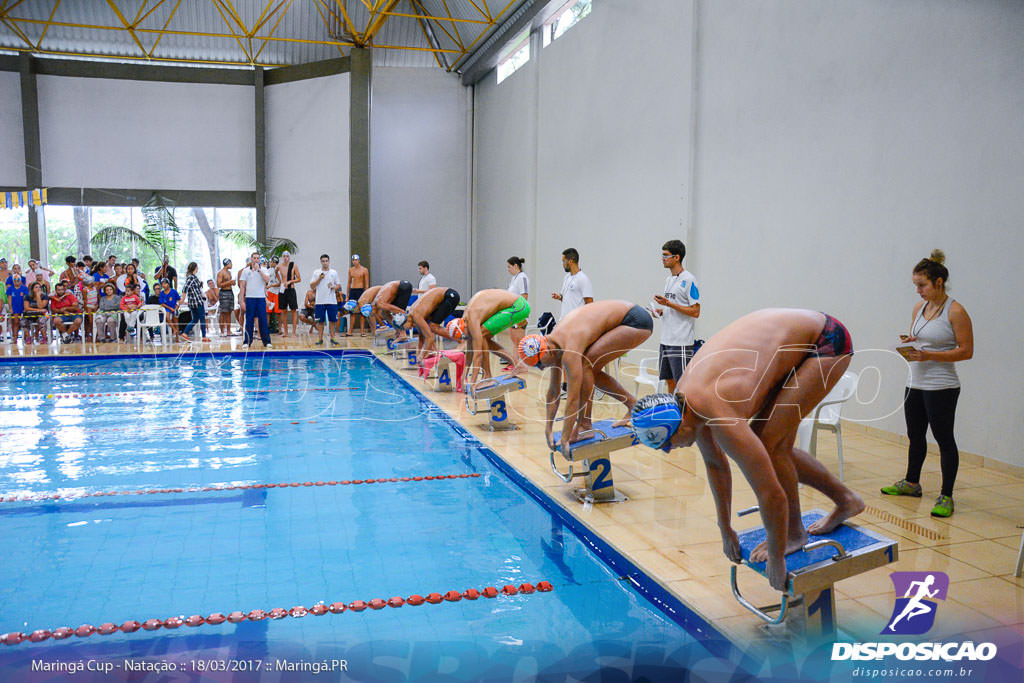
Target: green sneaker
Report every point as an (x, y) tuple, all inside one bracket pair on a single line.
[(943, 507), (903, 488)]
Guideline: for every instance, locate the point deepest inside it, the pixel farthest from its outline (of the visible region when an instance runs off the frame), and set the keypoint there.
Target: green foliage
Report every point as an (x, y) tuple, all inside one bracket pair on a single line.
[(274, 246)]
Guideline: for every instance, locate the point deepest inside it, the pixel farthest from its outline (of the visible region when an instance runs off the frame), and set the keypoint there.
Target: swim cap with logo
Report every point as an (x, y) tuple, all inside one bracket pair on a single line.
[(532, 347), (351, 305), (655, 419), (456, 328)]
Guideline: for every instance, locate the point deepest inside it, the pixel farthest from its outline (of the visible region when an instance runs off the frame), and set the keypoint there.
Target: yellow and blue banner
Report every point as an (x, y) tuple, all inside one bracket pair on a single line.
[(16, 200)]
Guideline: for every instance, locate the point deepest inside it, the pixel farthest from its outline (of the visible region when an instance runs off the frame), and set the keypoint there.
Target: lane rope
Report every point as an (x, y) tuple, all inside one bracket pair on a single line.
[(298, 612), (34, 498)]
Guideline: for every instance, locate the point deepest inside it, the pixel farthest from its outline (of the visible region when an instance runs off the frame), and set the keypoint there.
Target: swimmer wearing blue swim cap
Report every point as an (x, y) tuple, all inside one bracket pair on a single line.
[(746, 391), (656, 418), (366, 310), (351, 305)]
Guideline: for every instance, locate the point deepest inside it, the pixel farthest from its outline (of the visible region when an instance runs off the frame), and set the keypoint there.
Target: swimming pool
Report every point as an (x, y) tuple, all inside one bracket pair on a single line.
[(157, 489)]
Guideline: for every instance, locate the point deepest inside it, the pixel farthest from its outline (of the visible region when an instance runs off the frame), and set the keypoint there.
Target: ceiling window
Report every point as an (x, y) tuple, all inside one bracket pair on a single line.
[(515, 54), (565, 18)]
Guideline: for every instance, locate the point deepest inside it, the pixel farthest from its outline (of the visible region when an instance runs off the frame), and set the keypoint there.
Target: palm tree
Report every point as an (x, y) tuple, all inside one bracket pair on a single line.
[(274, 246), (159, 231)]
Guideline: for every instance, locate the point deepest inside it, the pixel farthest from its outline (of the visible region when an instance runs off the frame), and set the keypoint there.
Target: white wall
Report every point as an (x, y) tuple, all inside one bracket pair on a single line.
[(573, 150), (838, 144), (98, 132), (419, 177), (12, 138), (307, 165), (835, 144)]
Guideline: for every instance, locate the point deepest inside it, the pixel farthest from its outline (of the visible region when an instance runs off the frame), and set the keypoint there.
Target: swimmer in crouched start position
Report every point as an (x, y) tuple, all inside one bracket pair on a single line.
[(743, 395), (489, 312), (581, 345)]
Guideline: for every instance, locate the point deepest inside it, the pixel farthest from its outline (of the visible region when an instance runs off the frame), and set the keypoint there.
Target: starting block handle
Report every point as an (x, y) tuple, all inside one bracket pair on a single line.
[(748, 511), (567, 478), (759, 612), (840, 555)]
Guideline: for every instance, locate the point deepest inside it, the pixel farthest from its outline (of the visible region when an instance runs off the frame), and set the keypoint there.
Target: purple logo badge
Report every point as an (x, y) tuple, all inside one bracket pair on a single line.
[(916, 595)]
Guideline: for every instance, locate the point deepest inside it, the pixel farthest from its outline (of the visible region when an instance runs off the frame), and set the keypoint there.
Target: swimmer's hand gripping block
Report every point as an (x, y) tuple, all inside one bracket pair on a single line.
[(593, 452), (808, 606), (493, 391)]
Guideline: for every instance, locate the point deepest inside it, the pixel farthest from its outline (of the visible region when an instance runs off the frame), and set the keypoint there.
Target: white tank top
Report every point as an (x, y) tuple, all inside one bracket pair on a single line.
[(934, 335)]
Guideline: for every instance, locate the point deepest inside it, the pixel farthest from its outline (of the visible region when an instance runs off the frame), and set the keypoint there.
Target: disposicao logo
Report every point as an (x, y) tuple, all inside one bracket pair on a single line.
[(914, 613)]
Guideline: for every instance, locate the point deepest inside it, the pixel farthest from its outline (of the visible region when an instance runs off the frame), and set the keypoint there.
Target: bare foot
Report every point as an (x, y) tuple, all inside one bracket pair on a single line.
[(760, 553), (624, 422), (851, 506), (586, 425)]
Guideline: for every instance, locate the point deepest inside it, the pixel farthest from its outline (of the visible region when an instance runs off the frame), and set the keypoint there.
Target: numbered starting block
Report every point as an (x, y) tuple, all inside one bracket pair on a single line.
[(594, 455), (808, 607), (403, 350), (494, 391), (441, 375)]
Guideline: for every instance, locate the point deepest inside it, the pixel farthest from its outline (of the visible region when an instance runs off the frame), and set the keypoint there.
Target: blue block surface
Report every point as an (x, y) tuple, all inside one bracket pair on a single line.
[(850, 538), (605, 426)]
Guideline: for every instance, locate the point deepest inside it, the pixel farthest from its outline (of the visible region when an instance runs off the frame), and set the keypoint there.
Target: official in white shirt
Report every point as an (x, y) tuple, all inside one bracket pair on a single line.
[(252, 296), (326, 283), (681, 307), (427, 280), (576, 287)]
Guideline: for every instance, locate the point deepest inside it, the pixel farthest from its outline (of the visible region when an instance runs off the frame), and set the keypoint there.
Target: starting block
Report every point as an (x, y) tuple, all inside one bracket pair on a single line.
[(593, 454), (440, 375), (493, 391), (403, 350), (808, 606)]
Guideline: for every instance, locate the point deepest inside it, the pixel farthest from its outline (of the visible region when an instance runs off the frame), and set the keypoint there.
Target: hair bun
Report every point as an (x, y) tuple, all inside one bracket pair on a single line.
[(938, 256)]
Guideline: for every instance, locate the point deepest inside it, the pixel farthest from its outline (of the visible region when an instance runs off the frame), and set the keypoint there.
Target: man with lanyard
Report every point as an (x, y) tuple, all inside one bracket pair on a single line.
[(252, 293), (288, 303), (681, 302)]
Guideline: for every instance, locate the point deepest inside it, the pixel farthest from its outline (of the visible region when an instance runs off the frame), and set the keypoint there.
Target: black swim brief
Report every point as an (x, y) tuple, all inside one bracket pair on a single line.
[(403, 294), (834, 340), (355, 293), (638, 318), (447, 306)]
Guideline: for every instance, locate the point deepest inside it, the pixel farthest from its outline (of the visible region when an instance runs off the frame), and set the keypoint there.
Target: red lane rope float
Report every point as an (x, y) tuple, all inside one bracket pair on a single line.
[(239, 487), (238, 616), (162, 392)]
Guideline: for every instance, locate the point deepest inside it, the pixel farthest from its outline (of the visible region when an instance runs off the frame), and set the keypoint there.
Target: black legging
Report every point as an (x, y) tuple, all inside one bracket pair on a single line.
[(937, 409)]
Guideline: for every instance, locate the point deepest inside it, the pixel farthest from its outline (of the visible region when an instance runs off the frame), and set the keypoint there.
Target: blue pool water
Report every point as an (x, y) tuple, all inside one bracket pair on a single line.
[(229, 420)]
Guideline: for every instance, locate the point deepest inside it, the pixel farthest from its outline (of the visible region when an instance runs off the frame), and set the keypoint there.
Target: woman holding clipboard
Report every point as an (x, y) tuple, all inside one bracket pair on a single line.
[(940, 335)]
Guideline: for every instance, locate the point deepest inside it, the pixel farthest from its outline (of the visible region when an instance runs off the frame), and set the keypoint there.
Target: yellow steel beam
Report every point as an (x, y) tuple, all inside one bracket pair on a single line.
[(47, 27), (349, 24), (485, 12), (216, 5), (10, 23), (427, 16), (127, 27), (484, 33), (267, 16), (8, 9), (377, 19), (274, 28), (173, 60), (138, 14), (230, 9), (146, 15), (166, 24), (326, 23), (455, 27)]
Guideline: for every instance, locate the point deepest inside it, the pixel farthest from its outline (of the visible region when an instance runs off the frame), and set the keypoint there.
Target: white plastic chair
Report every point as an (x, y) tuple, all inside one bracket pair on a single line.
[(644, 376), (827, 416), (149, 318)]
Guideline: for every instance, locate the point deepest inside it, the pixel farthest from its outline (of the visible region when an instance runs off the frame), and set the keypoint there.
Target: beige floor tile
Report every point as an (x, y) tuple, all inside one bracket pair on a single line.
[(992, 557), (1012, 541), (927, 531), (986, 524), (952, 617), (992, 597), (1008, 492)]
